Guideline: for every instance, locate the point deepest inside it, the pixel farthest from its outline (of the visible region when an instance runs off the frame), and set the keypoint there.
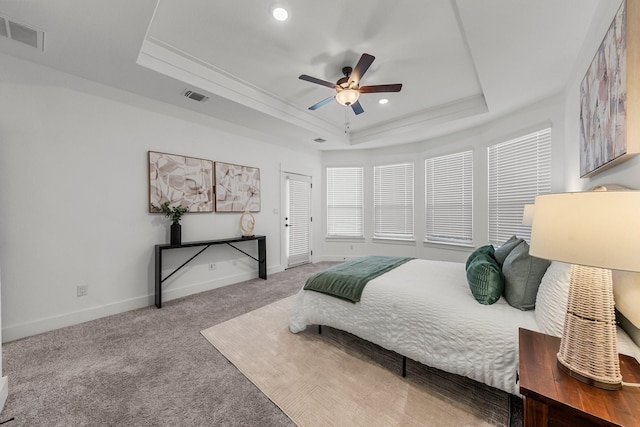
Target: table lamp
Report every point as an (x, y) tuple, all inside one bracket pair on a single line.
[(596, 232)]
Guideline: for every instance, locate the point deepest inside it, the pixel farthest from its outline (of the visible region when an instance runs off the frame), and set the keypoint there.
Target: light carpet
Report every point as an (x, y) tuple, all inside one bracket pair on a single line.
[(337, 379)]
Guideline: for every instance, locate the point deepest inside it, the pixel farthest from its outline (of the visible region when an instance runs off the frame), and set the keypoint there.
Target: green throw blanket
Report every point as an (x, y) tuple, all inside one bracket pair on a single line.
[(347, 280)]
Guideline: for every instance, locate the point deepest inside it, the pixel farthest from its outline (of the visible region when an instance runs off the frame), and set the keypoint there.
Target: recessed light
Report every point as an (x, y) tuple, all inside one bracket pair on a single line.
[(383, 101), (280, 14)]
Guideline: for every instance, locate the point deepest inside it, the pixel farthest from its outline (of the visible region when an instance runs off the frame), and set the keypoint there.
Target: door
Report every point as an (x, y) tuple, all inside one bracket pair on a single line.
[(297, 219)]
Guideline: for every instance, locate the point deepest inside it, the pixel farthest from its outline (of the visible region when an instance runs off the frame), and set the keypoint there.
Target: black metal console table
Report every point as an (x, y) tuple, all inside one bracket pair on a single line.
[(262, 257)]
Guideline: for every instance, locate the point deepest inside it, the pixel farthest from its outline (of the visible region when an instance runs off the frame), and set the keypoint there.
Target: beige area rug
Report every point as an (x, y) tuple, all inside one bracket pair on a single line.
[(337, 379)]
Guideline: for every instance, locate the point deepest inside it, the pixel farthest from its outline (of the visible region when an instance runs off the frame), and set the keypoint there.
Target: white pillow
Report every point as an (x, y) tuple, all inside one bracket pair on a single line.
[(551, 300)]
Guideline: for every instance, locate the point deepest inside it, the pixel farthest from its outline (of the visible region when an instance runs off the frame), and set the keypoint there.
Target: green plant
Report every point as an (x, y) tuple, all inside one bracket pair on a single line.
[(173, 213)]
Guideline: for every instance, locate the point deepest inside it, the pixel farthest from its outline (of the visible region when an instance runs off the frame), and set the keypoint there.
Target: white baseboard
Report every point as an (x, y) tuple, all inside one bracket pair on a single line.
[(276, 269), (14, 332), (171, 294), (334, 258), (4, 391)]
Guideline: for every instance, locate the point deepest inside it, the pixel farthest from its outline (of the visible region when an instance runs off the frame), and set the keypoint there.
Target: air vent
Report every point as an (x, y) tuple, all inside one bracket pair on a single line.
[(195, 96), (21, 33), (320, 140)]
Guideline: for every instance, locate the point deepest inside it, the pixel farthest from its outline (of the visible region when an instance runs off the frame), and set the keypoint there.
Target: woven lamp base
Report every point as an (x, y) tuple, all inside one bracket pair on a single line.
[(589, 347)]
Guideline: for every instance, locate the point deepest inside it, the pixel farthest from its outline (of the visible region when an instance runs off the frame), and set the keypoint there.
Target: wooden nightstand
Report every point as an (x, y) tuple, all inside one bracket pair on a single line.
[(552, 398)]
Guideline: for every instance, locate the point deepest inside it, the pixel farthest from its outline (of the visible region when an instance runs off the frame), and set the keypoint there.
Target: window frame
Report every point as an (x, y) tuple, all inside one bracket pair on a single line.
[(448, 180), (402, 200), (359, 193), (530, 152)]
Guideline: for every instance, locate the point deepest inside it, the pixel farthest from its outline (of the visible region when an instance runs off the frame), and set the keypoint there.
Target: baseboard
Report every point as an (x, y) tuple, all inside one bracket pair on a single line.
[(274, 270), (4, 391), (26, 329), (171, 294), (333, 258)]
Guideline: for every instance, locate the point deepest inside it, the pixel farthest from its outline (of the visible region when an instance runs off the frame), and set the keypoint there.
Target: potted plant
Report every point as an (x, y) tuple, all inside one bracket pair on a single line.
[(174, 213)]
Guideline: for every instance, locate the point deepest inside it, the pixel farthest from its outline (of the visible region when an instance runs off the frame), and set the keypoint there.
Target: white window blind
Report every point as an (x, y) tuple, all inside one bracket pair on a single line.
[(393, 201), (449, 198), (519, 170), (345, 203)]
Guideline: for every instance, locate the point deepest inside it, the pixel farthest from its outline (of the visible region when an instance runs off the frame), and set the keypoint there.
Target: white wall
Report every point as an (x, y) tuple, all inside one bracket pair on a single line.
[(74, 194), (73, 190), (4, 381), (627, 173), (561, 112), (549, 112)]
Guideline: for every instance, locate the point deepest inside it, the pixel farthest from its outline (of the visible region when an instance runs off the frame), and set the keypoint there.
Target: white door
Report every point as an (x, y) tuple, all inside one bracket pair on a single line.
[(297, 219)]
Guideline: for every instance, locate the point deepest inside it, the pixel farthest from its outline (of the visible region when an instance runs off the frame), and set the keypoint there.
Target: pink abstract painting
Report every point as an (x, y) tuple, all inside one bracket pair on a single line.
[(603, 97)]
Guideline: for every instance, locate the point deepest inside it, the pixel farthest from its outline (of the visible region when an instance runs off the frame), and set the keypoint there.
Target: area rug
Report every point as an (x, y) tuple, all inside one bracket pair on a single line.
[(337, 379)]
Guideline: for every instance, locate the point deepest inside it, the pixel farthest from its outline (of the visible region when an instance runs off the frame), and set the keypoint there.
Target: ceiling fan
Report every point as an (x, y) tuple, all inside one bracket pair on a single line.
[(348, 88)]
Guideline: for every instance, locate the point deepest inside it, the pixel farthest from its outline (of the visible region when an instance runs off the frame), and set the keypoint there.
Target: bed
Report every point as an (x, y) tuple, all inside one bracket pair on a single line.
[(424, 310)]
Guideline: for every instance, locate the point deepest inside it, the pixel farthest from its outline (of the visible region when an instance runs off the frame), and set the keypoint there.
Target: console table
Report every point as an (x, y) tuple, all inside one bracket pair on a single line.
[(262, 257), (552, 398)]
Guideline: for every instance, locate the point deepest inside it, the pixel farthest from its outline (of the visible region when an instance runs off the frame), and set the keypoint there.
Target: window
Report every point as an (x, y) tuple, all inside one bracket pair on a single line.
[(345, 204), (519, 170), (393, 201), (449, 198)]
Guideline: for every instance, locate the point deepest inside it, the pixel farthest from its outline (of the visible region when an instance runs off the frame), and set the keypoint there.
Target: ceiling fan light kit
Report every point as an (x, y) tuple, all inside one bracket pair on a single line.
[(348, 88), (347, 97)]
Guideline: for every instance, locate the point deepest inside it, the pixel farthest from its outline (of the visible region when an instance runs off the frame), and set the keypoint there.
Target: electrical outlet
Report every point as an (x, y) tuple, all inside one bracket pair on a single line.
[(212, 266), (82, 290)]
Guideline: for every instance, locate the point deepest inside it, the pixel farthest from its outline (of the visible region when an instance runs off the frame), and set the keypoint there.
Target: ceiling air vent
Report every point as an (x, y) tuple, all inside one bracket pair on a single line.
[(21, 33), (320, 140), (195, 96)]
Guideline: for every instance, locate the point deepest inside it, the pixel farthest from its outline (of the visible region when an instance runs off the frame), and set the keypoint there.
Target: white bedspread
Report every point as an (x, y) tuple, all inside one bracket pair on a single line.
[(424, 310)]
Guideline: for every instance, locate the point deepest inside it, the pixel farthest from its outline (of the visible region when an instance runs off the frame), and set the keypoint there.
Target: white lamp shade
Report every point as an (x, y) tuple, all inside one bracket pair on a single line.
[(527, 215), (347, 96), (597, 229)]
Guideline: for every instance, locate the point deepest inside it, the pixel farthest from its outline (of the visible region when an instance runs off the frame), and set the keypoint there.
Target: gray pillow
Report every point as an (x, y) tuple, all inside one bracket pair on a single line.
[(522, 274), (503, 251), (486, 249), (485, 279)]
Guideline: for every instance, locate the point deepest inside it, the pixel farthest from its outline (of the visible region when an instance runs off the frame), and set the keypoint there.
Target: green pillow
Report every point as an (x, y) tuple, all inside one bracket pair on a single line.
[(486, 250), (505, 249), (485, 279), (523, 274)]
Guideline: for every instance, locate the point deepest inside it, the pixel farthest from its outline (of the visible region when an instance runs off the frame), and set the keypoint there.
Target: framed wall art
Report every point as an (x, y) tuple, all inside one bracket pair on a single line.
[(610, 96), (183, 180), (237, 188)]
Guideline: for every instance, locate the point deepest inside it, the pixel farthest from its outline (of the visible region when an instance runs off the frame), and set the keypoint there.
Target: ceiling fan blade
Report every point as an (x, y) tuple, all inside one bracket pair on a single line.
[(321, 103), (357, 108), (317, 81), (381, 88), (363, 65)]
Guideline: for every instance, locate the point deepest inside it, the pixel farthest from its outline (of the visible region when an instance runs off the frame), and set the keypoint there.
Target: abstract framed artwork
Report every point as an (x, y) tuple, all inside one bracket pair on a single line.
[(187, 181), (237, 188), (610, 96)]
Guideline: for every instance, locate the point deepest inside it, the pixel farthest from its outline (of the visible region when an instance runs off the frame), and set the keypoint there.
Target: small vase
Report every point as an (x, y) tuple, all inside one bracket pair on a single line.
[(176, 233)]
